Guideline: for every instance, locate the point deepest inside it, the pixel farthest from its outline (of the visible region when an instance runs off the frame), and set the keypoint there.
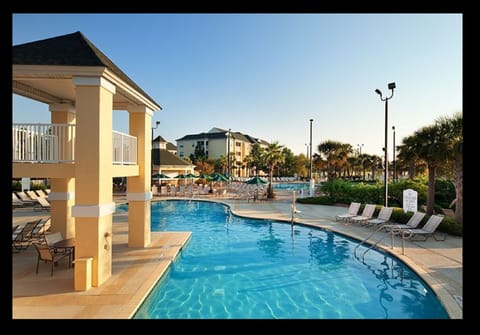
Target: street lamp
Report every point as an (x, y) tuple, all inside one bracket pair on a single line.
[(359, 146), (394, 154), (153, 128), (228, 153), (310, 170), (391, 86)]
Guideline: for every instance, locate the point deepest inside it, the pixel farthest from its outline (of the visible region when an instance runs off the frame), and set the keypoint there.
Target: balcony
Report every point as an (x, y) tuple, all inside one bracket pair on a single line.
[(55, 143)]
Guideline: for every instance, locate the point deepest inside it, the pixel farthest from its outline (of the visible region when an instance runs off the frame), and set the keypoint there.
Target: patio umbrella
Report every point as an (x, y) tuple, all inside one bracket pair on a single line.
[(203, 176), (160, 176), (218, 177), (256, 181)]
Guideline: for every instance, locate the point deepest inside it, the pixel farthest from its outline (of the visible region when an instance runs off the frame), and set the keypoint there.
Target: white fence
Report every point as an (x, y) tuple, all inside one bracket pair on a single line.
[(124, 148), (43, 143), (55, 143)]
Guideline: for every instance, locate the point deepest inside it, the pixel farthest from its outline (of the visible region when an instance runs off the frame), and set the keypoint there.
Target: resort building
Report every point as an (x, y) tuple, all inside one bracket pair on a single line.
[(220, 142), (79, 151)]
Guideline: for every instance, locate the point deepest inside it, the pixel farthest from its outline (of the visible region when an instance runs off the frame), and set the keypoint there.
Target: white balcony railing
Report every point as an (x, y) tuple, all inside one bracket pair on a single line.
[(124, 148), (55, 143), (43, 143)]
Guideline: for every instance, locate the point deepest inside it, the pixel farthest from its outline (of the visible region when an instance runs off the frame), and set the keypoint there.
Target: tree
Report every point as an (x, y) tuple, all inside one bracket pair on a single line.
[(272, 156), (451, 129), (429, 145), (335, 153), (254, 159)]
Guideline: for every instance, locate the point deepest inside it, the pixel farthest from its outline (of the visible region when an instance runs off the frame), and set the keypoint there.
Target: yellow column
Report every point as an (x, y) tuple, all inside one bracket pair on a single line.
[(63, 189), (138, 188), (93, 177)]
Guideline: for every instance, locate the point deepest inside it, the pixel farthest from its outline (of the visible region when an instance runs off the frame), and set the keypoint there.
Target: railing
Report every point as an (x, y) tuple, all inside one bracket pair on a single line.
[(124, 149), (55, 143), (43, 143)]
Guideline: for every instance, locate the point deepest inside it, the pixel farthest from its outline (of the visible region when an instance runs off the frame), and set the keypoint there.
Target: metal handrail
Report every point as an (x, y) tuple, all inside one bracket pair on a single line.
[(371, 245)]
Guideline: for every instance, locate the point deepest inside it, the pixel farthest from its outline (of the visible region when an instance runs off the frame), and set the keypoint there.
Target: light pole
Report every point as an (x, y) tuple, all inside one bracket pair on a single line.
[(359, 146), (228, 152), (310, 169), (394, 154), (391, 86), (153, 128)]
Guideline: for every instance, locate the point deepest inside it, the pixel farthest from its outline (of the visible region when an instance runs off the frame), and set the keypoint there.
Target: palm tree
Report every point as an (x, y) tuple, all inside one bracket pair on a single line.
[(335, 154), (430, 145), (272, 156), (452, 131), (407, 155)]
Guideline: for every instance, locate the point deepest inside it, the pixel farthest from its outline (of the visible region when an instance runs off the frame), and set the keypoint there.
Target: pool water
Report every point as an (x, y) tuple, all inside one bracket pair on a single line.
[(259, 269)]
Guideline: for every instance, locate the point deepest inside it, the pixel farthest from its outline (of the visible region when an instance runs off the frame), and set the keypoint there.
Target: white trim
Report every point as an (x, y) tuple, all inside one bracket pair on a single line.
[(93, 210), (94, 81), (139, 196), (62, 107), (141, 109), (61, 196)]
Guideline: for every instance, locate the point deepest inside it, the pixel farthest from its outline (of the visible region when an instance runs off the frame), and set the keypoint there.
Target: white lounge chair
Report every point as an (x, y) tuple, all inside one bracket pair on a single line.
[(383, 216), (352, 211), (367, 214), (42, 204), (412, 223), (426, 231)]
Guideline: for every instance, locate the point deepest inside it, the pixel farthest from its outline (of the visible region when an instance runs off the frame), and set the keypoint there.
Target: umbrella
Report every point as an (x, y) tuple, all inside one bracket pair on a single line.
[(218, 177), (256, 181), (160, 176), (203, 176)]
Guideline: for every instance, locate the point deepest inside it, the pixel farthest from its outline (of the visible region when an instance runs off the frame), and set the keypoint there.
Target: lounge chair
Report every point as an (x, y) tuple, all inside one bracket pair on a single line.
[(48, 255), (25, 199), (16, 202), (412, 223), (352, 211), (43, 204), (22, 236), (383, 216), (41, 228), (426, 231), (367, 214)]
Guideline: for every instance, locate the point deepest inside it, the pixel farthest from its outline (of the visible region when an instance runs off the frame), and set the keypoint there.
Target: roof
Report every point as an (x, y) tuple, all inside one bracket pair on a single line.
[(171, 146), (216, 133), (167, 158), (68, 50)]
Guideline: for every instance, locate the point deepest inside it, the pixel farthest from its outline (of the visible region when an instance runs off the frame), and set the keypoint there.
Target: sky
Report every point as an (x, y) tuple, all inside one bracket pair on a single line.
[(267, 75)]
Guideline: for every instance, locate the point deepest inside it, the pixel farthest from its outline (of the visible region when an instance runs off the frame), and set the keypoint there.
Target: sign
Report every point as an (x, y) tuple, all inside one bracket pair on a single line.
[(410, 200), (25, 184)]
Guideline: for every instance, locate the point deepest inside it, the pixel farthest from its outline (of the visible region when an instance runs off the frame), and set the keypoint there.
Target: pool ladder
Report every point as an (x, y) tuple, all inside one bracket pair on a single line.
[(372, 245)]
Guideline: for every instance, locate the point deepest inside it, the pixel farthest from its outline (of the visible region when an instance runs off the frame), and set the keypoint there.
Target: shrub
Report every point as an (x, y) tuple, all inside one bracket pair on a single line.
[(16, 186), (323, 200)]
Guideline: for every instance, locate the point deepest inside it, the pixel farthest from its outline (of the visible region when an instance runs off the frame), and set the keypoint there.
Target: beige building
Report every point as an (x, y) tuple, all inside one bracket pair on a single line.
[(220, 142), (164, 160), (79, 151)]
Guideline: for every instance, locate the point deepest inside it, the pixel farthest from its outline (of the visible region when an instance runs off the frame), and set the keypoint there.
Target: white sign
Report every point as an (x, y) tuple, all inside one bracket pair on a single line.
[(410, 200), (25, 184), (312, 187)]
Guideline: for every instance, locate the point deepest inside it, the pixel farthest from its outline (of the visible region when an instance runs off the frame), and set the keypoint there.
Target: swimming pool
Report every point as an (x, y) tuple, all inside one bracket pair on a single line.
[(260, 269)]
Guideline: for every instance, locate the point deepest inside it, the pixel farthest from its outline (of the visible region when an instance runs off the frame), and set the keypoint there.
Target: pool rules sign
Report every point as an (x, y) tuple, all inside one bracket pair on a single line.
[(410, 200)]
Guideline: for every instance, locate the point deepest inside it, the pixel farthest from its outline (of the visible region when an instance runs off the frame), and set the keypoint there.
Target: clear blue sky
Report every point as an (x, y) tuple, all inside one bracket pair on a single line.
[(266, 75)]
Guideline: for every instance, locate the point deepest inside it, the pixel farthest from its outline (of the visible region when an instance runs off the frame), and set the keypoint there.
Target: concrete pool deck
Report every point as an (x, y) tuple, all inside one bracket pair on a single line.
[(136, 270)]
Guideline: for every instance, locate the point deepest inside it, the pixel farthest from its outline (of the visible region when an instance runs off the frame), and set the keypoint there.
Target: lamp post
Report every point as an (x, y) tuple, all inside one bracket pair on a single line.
[(359, 146), (228, 152), (153, 129), (391, 86), (394, 154), (310, 169)]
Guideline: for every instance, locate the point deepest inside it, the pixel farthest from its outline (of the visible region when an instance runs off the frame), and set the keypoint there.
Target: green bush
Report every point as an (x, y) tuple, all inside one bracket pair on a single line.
[(444, 192), (16, 186), (395, 191), (323, 200)]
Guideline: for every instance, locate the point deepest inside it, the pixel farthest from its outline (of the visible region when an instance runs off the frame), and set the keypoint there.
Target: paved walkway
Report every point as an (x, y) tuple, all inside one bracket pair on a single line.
[(135, 270)]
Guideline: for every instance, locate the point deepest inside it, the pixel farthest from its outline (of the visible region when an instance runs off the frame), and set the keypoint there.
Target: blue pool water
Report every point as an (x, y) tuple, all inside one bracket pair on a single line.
[(291, 186), (245, 268)]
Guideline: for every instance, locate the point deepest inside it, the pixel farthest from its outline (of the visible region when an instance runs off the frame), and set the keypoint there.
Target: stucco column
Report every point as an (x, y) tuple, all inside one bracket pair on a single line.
[(138, 188), (62, 193), (93, 177)]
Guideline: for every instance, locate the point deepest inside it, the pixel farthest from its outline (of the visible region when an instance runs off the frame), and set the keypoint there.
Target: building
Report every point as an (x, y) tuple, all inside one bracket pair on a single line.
[(220, 142), (79, 151), (165, 160)]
